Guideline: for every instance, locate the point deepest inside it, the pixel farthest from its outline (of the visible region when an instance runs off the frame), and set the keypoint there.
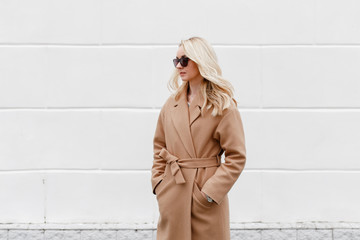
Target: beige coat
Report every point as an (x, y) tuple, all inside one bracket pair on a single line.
[(187, 152)]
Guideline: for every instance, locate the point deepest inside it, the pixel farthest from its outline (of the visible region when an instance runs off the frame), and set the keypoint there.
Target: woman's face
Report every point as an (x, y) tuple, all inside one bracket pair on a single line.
[(191, 71)]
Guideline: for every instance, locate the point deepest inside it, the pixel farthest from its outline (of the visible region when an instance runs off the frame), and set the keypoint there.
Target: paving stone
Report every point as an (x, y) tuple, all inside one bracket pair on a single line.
[(26, 235), (313, 234), (135, 235), (245, 234), (3, 234), (98, 235), (278, 234), (62, 235), (346, 234)]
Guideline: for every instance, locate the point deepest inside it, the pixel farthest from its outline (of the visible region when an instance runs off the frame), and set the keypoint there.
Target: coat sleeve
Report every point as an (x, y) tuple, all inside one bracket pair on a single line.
[(159, 164), (230, 134)]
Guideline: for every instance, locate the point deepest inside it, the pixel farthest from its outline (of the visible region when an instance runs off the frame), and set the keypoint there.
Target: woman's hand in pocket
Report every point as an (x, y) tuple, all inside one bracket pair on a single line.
[(206, 197)]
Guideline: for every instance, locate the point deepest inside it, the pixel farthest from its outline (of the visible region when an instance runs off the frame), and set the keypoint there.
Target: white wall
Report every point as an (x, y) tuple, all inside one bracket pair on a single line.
[(82, 83)]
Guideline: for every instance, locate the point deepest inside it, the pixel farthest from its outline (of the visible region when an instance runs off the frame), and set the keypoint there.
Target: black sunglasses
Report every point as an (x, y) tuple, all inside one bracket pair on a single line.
[(183, 61)]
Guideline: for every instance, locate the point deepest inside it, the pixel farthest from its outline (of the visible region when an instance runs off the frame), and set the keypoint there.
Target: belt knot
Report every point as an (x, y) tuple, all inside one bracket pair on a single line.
[(176, 163)]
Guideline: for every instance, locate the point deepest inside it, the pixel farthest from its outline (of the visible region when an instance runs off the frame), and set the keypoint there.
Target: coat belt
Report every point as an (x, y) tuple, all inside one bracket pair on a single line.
[(176, 163)]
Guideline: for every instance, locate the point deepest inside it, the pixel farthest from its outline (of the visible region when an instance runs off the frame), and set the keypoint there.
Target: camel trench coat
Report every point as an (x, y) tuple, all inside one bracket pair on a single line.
[(183, 133)]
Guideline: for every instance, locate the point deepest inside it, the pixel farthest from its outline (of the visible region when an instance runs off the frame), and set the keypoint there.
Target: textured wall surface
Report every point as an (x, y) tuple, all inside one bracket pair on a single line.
[(82, 83)]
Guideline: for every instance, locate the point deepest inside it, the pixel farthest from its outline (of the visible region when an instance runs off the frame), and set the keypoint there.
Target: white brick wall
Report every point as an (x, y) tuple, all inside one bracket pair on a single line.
[(76, 78)]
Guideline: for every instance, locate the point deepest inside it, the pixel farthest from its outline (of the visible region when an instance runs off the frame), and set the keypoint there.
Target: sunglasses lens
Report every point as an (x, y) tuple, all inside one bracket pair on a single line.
[(176, 61), (184, 61)]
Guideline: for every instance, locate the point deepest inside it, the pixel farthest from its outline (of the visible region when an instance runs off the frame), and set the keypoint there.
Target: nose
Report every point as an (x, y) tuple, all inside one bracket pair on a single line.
[(178, 66)]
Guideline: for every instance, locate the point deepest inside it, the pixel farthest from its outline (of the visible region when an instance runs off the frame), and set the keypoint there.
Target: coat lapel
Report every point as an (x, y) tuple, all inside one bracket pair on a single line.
[(183, 116), (195, 108)]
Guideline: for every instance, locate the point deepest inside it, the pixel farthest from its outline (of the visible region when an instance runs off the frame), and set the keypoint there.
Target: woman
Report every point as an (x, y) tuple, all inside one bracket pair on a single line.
[(196, 125)]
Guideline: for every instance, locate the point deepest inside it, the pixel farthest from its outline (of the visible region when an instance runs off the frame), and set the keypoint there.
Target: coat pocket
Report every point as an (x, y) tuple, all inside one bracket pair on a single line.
[(160, 187), (198, 196)]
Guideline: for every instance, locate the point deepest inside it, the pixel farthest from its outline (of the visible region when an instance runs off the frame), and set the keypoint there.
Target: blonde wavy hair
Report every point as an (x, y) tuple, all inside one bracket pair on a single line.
[(216, 91)]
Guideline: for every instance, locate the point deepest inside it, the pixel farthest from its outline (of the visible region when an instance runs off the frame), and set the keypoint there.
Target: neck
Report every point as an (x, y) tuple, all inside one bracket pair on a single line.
[(194, 85)]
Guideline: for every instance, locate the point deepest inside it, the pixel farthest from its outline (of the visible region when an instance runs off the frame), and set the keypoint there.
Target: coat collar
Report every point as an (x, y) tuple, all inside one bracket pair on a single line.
[(183, 117)]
